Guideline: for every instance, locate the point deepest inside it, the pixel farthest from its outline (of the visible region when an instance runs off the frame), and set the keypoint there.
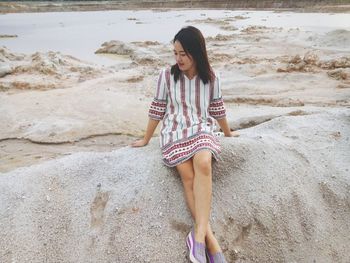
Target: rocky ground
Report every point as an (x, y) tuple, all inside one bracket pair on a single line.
[(281, 194), (47, 98), (281, 190)]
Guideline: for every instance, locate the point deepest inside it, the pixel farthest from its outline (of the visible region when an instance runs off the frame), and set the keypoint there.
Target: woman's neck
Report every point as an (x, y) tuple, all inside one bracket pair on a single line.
[(190, 73)]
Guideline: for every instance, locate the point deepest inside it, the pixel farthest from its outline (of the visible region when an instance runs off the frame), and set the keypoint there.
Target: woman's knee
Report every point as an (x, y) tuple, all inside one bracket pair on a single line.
[(187, 178), (202, 162), (186, 172)]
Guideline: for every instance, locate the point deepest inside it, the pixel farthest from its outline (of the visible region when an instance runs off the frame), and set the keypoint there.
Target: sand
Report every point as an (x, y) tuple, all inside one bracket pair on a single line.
[(70, 184)]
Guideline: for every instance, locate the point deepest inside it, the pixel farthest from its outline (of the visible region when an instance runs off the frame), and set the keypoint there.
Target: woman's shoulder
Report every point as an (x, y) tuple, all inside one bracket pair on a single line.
[(165, 71), (164, 75), (166, 68), (215, 74)]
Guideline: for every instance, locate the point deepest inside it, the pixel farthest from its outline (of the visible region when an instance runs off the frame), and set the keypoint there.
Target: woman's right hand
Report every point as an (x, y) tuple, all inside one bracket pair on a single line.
[(139, 143)]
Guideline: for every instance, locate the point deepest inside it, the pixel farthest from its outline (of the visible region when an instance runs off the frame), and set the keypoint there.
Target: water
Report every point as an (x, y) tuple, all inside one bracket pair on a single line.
[(80, 34)]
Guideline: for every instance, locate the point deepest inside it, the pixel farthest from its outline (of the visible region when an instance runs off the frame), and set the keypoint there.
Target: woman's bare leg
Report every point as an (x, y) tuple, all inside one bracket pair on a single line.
[(202, 187), (186, 172)]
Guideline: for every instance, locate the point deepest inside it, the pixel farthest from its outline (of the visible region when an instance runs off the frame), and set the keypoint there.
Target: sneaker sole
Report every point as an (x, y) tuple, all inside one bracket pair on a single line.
[(189, 242)]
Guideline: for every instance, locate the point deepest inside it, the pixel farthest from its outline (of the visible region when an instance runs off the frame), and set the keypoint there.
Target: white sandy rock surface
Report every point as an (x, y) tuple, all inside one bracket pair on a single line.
[(42, 71), (50, 99), (281, 191), (281, 194)]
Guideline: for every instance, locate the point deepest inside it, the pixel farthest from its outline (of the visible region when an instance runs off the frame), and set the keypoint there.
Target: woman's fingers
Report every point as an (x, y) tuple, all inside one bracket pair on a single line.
[(234, 134), (138, 143)]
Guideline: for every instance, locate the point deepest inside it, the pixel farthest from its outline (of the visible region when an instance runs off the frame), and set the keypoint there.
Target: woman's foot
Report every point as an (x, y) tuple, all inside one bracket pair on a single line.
[(213, 250), (212, 244), (197, 250), (216, 258)]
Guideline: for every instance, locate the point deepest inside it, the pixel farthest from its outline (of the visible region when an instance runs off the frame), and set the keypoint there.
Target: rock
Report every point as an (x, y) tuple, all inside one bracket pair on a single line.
[(115, 47), (229, 28), (254, 29), (28, 71), (343, 86), (295, 60), (8, 36), (220, 37), (5, 70), (342, 62), (312, 63), (7, 56), (310, 58), (338, 74), (254, 200)]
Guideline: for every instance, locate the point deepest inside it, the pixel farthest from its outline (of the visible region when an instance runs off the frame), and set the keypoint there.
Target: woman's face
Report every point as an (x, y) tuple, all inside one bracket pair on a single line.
[(183, 60)]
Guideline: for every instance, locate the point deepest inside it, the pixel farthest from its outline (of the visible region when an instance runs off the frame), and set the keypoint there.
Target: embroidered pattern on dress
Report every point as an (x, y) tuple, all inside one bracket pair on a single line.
[(157, 109), (178, 152), (217, 109), (188, 109)]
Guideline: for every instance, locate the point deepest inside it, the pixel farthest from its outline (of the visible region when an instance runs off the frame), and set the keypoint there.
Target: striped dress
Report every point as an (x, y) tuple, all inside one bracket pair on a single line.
[(187, 109)]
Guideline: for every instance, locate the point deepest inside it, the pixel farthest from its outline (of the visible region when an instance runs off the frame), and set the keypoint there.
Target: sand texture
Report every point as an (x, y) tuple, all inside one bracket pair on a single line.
[(281, 194)]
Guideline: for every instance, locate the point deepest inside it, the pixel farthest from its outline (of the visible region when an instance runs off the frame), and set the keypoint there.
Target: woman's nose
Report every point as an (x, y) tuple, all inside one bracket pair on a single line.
[(177, 58)]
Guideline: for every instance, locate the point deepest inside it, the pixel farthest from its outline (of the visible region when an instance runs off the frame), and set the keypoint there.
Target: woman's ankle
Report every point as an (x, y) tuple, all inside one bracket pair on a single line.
[(212, 244), (200, 233)]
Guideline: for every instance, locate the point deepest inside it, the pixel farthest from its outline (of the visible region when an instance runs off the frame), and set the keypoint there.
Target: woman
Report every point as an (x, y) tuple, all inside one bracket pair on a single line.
[(188, 101)]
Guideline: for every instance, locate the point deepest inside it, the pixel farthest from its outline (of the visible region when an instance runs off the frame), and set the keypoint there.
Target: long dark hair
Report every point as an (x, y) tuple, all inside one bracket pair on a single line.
[(193, 44)]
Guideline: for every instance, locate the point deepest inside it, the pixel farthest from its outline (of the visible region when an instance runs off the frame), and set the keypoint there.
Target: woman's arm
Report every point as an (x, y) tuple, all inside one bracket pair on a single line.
[(226, 128), (217, 109), (156, 110), (151, 126)]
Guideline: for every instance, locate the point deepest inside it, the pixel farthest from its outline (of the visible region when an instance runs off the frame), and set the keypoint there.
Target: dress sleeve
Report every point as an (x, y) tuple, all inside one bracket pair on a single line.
[(216, 107), (158, 106)]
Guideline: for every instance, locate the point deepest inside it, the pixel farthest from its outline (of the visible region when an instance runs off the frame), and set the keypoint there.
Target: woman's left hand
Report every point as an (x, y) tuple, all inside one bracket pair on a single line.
[(234, 134)]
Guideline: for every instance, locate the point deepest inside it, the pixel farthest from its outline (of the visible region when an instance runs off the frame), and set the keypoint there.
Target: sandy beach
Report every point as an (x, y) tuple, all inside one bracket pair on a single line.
[(282, 188)]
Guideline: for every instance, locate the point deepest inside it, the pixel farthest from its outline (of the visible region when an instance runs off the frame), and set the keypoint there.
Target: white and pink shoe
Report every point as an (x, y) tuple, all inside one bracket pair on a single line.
[(196, 249)]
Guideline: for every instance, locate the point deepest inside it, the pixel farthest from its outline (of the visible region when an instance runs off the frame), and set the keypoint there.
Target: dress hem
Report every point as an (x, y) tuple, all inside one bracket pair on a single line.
[(214, 155), (212, 145)]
